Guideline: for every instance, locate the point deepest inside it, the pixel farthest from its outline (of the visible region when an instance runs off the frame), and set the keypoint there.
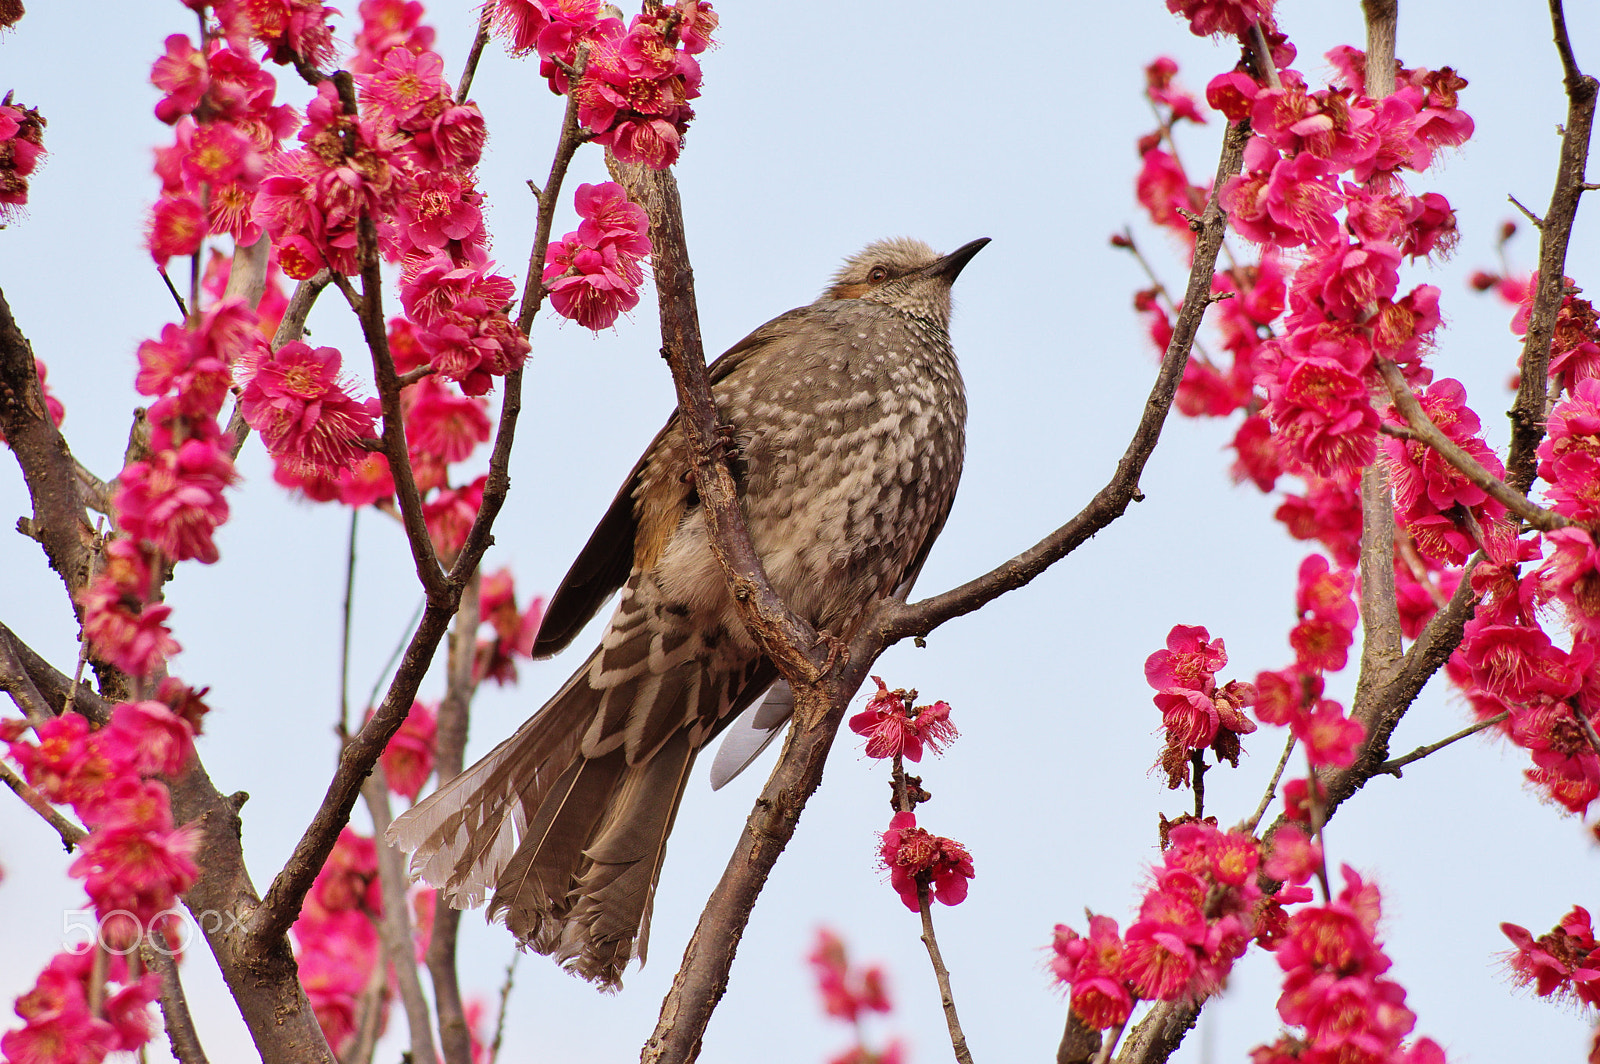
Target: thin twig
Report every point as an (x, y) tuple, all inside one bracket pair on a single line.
[(1538, 222), (1250, 825), (1585, 726), (394, 928), (71, 834), (1394, 765), (892, 621), (1405, 401), (1263, 54), (500, 1016), (958, 1038), (1109, 1045), (474, 53), (406, 635), (368, 306), (344, 631)]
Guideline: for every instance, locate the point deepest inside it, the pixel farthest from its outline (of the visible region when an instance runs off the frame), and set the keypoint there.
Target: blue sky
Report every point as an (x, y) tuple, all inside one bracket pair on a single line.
[(822, 127)]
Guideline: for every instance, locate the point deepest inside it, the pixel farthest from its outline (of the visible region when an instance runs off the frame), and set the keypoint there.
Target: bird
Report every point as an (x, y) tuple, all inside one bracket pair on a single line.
[(845, 421)]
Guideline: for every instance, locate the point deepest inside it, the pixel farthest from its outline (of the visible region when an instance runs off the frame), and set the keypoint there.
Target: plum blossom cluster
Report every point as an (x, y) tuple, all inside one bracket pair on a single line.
[(1446, 515), (1335, 989), (1507, 662), (922, 866), (226, 128), (513, 631), (593, 274), (1195, 712), (635, 85), (1563, 963), (1322, 182), (134, 863), (893, 728), (1201, 913), (169, 502), (59, 1023), (849, 995), (336, 937), (408, 759), (298, 400), (21, 144), (1293, 697)]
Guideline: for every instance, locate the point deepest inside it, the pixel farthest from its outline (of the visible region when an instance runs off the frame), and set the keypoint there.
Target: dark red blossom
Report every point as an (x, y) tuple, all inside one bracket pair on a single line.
[(915, 858), (894, 729)]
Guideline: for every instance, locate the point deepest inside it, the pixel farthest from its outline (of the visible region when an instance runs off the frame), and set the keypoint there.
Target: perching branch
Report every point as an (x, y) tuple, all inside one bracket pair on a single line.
[(791, 643), (893, 621), (819, 705)]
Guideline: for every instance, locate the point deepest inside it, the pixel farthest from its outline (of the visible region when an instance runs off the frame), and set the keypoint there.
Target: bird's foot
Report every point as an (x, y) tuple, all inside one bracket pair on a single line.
[(838, 650), (724, 445)]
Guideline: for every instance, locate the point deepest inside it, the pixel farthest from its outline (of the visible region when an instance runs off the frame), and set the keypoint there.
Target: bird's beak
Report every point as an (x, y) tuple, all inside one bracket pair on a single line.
[(950, 267)]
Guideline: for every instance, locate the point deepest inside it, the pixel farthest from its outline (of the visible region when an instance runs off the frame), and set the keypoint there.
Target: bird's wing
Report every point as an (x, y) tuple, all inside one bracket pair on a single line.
[(638, 523)]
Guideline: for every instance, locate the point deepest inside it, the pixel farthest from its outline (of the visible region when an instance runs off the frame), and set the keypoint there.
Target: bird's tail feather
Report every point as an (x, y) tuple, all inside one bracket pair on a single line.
[(463, 835)]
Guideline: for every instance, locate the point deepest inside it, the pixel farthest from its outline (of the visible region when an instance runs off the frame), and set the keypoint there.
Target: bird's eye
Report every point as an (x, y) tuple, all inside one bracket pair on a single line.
[(878, 275)]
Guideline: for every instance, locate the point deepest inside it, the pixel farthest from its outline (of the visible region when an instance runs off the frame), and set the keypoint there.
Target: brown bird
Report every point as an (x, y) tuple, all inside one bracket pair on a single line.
[(848, 421)]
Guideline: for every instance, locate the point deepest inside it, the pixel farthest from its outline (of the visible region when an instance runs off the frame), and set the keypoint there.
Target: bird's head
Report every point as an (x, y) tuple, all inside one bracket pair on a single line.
[(905, 274)]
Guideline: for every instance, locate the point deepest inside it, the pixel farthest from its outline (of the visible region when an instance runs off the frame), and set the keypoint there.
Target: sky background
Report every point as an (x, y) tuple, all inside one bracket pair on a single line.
[(824, 126)]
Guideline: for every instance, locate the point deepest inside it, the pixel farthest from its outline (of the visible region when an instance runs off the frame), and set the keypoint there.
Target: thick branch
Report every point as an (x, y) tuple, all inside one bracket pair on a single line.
[(1555, 232), (59, 523), (791, 643)]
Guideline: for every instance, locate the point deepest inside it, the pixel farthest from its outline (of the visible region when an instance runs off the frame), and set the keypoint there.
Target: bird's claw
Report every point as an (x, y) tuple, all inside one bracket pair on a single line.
[(724, 445), (838, 650)]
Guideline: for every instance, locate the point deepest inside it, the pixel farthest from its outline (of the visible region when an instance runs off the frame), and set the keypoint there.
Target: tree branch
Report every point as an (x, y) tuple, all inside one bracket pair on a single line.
[(71, 834), (893, 621), (455, 1037), (1529, 411), (181, 1034), (791, 643), (59, 523), (394, 929), (1424, 429), (1393, 767)]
